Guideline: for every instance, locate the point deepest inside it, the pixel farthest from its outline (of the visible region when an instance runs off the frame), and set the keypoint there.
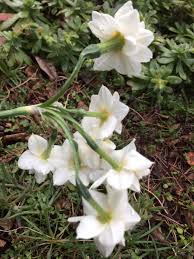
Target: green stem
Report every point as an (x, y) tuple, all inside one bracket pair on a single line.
[(51, 142), (103, 215), (90, 141), (25, 110), (67, 84), (81, 112), (92, 51)]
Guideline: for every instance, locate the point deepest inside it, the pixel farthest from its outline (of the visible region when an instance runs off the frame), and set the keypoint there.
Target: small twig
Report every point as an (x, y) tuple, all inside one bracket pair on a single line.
[(161, 204), (137, 113)]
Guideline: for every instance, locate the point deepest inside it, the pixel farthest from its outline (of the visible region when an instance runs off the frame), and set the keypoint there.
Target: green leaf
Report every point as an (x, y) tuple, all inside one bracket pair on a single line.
[(165, 60), (174, 80)]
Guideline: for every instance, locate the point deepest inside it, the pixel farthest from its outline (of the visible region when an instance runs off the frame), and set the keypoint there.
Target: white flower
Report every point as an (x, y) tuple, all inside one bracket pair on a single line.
[(126, 23), (107, 234), (114, 112), (62, 159), (33, 159), (89, 157), (133, 166)]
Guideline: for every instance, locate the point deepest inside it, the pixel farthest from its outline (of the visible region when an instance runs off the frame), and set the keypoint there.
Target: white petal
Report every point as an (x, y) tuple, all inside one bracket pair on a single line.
[(58, 157), (120, 109), (101, 198), (102, 25), (84, 177), (130, 45), (125, 9), (104, 250), (61, 176), (135, 186), (143, 54), (105, 97), (36, 144), (26, 160), (137, 163), (131, 218), (129, 23), (118, 128), (104, 62), (131, 146), (126, 65), (75, 219), (98, 182), (145, 37), (118, 200), (40, 178), (120, 181), (89, 227), (43, 166), (108, 127), (113, 234)]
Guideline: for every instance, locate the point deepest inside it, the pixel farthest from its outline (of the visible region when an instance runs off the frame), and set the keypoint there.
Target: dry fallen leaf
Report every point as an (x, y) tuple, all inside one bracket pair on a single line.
[(47, 67), (158, 235), (6, 224), (2, 243), (190, 158)]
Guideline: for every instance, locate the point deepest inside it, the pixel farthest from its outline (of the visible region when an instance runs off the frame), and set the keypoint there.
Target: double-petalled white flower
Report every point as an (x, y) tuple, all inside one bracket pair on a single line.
[(113, 110), (107, 234), (135, 40), (35, 159), (132, 166)]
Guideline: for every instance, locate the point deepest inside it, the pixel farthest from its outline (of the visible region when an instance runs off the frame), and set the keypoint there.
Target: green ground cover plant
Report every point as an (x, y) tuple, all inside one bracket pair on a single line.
[(40, 42)]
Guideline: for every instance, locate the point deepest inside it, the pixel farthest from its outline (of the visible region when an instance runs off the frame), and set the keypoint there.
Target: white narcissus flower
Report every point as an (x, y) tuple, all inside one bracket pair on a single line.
[(62, 159), (133, 166), (33, 159), (114, 112), (89, 157), (125, 23), (107, 234)]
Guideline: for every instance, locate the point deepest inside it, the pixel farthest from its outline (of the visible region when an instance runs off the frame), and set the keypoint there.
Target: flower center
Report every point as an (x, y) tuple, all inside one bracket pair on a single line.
[(105, 217), (105, 115), (115, 43)]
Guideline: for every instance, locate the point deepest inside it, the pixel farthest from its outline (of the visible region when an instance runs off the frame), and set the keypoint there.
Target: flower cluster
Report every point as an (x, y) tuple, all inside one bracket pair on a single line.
[(89, 158), (130, 166)]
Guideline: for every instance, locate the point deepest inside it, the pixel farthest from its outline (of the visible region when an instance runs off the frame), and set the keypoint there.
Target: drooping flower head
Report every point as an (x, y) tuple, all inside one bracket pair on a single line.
[(35, 159), (113, 110), (107, 234), (134, 38), (132, 167)]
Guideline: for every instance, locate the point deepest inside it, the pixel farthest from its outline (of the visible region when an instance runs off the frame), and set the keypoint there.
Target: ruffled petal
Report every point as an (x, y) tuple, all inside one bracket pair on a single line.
[(104, 62), (129, 23), (124, 9), (102, 25), (143, 54)]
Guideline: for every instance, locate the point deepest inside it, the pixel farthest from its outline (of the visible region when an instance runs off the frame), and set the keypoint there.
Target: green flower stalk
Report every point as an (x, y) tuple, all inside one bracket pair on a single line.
[(56, 118)]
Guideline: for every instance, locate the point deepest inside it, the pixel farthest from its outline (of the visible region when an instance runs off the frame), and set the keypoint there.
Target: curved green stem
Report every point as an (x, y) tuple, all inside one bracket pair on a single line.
[(103, 215), (89, 140), (65, 87)]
